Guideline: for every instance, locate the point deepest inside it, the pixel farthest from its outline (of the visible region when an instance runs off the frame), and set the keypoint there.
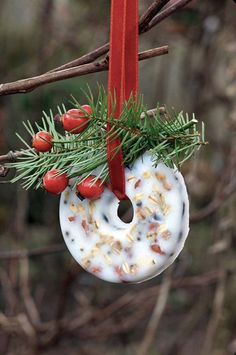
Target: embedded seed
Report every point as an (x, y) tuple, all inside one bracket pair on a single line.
[(140, 213), (91, 210), (126, 268), (155, 188), (97, 224), (137, 184), (133, 268), (108, 259), (133, 229), (153, 200), (96, 269), (117, 247), (85, 225), (147, 174), (144, 261), (151, 236), (73, 208), (157, 249), (162, 199), (167, 186), (86, 263), (67, 194), (166, 235), (162, 228), (149, 210), (130, 238), (160, 176), (118, 271), (81, 208), (95, 251), (138, 196), (166, 210)]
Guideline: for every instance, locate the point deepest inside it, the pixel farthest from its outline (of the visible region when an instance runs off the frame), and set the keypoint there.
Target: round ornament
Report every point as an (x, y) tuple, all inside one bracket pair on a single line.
[(116, 251)]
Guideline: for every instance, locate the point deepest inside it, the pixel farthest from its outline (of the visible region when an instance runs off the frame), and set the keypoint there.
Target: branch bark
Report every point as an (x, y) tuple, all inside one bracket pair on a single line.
[(22, 254), (27, 85), (85, 64), (151, 12), (90, 57), (168, 10), (158, 311)]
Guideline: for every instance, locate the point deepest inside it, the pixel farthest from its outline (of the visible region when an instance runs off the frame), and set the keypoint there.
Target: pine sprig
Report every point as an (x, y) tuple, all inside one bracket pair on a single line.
[(171, 138)]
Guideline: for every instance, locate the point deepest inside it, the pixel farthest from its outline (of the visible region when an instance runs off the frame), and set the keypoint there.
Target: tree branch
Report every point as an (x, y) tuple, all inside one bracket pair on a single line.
[(85, 64), (215, 204), (168, 10), (22, 254), (158, 311), (26, 85), (151, 12), (90, 57)]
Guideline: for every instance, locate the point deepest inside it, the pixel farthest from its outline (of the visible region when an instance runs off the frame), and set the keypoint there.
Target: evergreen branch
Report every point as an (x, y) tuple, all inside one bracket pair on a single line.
[(170, 137)]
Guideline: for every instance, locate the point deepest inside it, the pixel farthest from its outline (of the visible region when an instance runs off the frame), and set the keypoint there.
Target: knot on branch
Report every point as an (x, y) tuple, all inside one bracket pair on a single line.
[(11, 156), (3, 171)]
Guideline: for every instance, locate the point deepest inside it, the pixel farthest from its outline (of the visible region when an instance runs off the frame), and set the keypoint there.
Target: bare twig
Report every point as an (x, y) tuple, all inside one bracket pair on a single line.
[(225, 189), (152, 11), (3, 170), (7, 291), (188, 324), (215, 204), (27, 85), (156, 315), (168, 10), (85, 59), (21, 254), (10, 156), (101, 322), (86, 64), (30, 306), (90, 57), (218, 304)]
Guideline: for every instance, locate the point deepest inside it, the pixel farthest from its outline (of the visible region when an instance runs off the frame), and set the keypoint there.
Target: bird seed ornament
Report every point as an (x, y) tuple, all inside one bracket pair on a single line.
[(129, 252), (113, 150)]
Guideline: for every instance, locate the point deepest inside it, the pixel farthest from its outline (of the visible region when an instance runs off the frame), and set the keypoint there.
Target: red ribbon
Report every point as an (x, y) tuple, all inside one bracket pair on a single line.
[(122, 81)]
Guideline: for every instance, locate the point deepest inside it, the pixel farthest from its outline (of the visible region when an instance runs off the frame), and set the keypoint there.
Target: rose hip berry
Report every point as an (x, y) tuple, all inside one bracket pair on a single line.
[(54, 183), (76, 120), (42, 141), (90, 189)]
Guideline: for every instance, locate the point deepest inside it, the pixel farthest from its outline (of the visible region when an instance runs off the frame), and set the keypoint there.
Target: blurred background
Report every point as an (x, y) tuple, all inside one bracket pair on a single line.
[(48, 304)]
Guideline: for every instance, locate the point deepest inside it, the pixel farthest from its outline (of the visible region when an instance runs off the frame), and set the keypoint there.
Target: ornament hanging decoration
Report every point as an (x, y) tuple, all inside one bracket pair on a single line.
[(113, 149)]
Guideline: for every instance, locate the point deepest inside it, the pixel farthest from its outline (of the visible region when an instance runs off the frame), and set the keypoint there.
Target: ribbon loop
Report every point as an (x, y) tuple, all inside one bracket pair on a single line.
[(122, 81)]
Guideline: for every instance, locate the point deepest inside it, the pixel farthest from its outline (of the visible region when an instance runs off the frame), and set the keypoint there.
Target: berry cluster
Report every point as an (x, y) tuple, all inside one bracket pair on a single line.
[(74, 121)]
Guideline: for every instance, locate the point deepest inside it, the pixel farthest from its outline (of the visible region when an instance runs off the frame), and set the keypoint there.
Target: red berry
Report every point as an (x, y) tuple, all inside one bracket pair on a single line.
[(75, 120), (54, 183), (42, 141), (90, 189), (87, 109)]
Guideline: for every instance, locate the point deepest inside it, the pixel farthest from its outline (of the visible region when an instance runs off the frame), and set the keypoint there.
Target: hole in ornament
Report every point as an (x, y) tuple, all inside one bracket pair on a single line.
[(125, 211)]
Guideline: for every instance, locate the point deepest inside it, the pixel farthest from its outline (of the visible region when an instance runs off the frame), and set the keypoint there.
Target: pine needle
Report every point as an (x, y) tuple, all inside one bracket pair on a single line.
[(171, 138)]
